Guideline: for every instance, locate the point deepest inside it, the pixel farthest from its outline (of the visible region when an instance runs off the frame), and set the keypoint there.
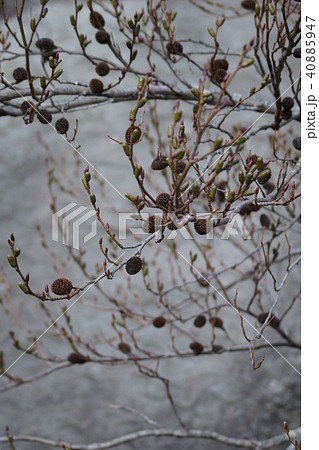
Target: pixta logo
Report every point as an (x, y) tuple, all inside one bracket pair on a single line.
[(74, 215)]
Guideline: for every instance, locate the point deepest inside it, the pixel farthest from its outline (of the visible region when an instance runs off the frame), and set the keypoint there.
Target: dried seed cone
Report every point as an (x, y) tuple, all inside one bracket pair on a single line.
[(159, 163), (218, 64), (248, 209), (133, 134), (174, 48), (286, 114), (163, 200), (61, 286), (25, 106), (45, 45), (102, 68), (159, 322), (297, 143), (20, 74), (219, 75), (96, 86), (297, 52), (62, 125), (264, 221), (102, 37), (179, 167), (77, 358), (44, 116), (97, 20), (287, 102), (216, 322), (196, 347), (201, 226), (133, 265), (275, 322), (199, 321), (124, 348), (249, 4), (152, 224)]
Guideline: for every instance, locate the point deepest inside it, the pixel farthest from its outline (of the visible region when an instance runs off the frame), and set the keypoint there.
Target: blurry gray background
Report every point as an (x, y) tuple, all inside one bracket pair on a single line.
[(217, 392)]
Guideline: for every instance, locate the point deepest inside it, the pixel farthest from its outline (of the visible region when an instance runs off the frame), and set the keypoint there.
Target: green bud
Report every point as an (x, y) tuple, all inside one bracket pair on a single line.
[(231, 196), (43, 83), (140, 206), (80, 6), (185, 186), (212, 193), (130, 197), (17, 252), (133, 113), (179, 153), (129, 45), (32, 24), (57, 74), (11, 261), (170, 131), (218, 143), (127, 149), (264, 176), (248, 62), (43, 2), (131, 24), (241, 140), (241, 177), (138, 171), (252, 90), (260, 163), (87, 177), (72, 20), (253, 168), (23, 287), (178, 115), (86, 186), (249, 178), (257, 9), (165, 24), (142, 102), (141, 83), (134, 55), (195, 108), (195, 190), (175, 142), (219, 166), (93, 199), (51, 62), (195, 92), (44, 12)]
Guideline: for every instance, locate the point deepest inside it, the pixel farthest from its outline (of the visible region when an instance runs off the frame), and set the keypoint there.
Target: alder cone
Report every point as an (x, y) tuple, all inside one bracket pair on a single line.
[(133, 265), (199, 321), (102, 68), (159, 163), (44, 116), (275, 322), (196, 347), (20, 74), (61, 286), (174, 48), (102, 37), (45, 45), (124, 348), (249, 4), (62, 125), (217, 322), (201, 226), (96, 86), (96, 19), (218, 64), (77, 358), (159, 322)]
